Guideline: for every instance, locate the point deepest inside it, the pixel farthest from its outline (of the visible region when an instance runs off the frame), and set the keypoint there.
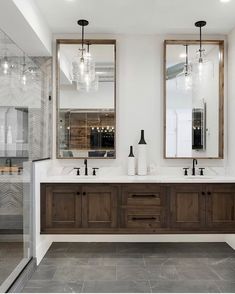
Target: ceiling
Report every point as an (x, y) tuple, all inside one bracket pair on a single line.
[(138, 16)]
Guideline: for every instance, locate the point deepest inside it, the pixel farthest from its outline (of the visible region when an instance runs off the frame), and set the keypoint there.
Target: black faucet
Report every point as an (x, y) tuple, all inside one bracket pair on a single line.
[(193, 169), (9, 163), (86, 169)]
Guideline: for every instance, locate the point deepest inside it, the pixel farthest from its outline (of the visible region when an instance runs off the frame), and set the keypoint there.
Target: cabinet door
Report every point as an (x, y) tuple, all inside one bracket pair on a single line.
[(99, 206), (187, 206), (143, 206), (221, 206), (60, 206)]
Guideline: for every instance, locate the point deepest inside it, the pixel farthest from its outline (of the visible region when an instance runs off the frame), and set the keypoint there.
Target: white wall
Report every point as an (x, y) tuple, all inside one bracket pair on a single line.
[(231, 102), (140, 98), (70, 98)]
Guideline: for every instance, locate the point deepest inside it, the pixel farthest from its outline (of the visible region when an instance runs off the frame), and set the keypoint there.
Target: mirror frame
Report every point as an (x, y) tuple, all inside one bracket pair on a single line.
[(79, 41), (220, 43)]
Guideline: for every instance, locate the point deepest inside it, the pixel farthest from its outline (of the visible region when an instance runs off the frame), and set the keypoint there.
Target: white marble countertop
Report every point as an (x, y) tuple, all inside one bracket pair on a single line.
[(136, 179)]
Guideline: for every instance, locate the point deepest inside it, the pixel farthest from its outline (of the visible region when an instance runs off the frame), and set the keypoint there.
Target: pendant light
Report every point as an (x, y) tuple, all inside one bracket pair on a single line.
[(184, 79), (5, 64), (84, 72), (23, 77), (82, 23), (202, 68)]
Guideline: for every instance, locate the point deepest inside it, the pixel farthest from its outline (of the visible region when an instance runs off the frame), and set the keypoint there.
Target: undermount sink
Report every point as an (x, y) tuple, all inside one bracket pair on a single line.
[(82, 177), (198, 177)]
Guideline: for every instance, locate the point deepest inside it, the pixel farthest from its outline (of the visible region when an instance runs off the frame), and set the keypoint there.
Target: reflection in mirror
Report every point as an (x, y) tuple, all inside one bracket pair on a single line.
[(86, 111), (193, 100)]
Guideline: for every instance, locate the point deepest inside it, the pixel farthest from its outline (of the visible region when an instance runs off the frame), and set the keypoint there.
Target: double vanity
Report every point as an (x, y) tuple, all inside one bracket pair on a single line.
[(137, 205), (193, 128)]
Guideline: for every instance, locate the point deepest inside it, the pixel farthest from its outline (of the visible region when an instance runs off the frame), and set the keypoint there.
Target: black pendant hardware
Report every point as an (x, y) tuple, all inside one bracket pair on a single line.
[(83, 23), (200, 24)]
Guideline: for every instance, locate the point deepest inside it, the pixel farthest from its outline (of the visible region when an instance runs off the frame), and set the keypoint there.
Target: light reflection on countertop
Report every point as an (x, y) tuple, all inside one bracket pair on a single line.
[(137, 179)]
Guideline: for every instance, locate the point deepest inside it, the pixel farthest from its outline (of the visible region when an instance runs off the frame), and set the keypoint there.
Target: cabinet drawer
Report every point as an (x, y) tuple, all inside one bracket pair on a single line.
[(139, 219), (142, 195), (143, 199)]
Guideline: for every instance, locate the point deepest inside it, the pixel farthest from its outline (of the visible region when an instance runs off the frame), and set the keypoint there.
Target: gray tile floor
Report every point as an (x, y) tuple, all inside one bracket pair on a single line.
[(136, 268), (11, 253)]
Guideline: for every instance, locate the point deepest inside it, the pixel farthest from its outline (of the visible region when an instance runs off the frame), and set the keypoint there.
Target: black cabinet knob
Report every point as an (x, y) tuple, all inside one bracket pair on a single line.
[(203, 193), (84, 193), (208, 193), (78, 193)]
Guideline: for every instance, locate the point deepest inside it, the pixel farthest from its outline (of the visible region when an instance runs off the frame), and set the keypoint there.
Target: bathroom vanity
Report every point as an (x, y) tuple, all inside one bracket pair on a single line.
[(138, 207)]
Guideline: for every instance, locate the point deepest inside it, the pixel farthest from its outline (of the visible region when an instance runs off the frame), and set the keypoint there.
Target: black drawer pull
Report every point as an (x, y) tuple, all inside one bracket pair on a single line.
[(144, 196), (143, 218)]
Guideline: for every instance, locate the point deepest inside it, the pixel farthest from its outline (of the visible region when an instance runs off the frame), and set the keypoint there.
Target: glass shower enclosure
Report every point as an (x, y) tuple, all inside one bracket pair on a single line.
[(25, 114)]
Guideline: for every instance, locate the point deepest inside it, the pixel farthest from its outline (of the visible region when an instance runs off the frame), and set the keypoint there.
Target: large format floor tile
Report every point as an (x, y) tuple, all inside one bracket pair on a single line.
[(11, 254), (117, 287), (135, 268)]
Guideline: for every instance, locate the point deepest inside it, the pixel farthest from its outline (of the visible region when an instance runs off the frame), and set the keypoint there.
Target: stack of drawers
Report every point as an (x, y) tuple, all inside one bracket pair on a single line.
[(143, 206)]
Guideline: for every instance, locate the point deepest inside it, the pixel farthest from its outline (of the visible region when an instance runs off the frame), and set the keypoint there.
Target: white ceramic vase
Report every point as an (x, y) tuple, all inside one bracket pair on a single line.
[(131, 163), (142, 156)]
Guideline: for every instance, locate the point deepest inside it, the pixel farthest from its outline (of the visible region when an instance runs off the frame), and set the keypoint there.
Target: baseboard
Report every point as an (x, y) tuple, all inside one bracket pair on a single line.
[(42, 249), (23, 278), (230, 239), (139, 238)]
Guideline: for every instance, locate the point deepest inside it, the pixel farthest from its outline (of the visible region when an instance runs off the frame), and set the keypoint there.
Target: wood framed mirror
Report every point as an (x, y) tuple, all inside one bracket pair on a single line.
[(86, 103), (193, 99)]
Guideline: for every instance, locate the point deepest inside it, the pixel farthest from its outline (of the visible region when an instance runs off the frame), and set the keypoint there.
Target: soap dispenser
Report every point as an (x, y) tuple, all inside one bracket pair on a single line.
[(131, 163)]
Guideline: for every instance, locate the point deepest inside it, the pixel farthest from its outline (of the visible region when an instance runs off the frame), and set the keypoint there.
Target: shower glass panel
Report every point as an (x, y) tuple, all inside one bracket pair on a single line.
[(25, 115)]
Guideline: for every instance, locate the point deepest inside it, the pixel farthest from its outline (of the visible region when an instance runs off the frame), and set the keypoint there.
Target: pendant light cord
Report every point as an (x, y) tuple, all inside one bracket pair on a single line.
[(200, 42), (186, 59), (82, 41)]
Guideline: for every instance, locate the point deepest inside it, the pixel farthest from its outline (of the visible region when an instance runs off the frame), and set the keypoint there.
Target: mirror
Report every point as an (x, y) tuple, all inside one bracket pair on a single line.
[(86, 102), (194, 98)]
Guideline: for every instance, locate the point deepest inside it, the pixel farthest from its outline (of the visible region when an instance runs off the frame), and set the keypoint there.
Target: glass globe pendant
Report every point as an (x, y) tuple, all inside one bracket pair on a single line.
[(184, 79), (202, 67), (83, 72)]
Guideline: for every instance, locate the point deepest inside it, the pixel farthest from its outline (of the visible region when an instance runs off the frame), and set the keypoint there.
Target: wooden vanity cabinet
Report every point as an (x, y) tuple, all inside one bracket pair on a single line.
[(78, 208), (137, 208), (61, 206), (187, 206), (99, 206), (220, 206)]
